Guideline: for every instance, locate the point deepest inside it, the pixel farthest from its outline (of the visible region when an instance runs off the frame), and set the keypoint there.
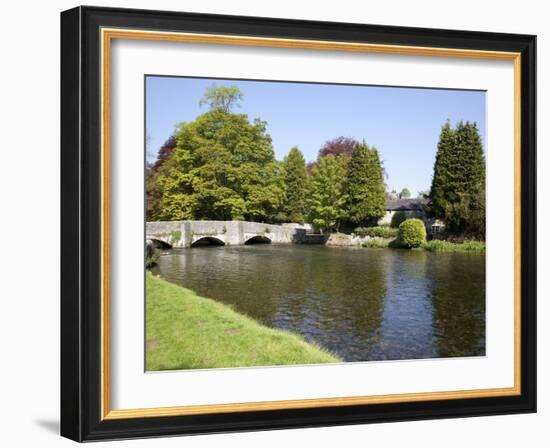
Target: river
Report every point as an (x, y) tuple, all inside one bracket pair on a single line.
[(361, 304)]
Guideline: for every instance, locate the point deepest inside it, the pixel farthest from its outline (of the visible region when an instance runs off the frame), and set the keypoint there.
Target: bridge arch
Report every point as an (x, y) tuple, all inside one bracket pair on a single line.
[(258, 239), (159, 243), (207, 241)]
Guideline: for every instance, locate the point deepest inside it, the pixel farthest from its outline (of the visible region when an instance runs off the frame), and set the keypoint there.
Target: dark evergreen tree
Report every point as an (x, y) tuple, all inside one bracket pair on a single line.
[(294, 166), (365, 186), (441, 189), (457, 195)]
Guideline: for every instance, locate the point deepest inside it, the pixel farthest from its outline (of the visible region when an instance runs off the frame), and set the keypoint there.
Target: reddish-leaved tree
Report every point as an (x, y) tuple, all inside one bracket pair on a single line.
[(164, 152), (338, 146)]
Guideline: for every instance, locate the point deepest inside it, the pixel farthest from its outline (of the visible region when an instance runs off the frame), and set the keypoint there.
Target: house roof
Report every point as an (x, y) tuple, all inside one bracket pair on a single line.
[(395, 205)]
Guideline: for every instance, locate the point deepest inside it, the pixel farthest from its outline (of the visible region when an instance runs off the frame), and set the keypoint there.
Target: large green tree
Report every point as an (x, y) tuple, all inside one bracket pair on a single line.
[(327, 198), (366, 189), (457, 194), (223, 167), (296, 179)]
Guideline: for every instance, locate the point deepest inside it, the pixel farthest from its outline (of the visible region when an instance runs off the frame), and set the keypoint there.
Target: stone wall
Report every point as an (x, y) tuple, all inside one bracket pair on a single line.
[(187, 233)]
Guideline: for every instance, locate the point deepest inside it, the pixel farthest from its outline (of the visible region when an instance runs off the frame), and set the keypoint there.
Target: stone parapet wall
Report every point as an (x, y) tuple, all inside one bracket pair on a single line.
[(187, 233)]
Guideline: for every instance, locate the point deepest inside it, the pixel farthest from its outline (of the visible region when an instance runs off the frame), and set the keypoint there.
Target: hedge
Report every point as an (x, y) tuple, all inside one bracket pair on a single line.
[(380, 232)]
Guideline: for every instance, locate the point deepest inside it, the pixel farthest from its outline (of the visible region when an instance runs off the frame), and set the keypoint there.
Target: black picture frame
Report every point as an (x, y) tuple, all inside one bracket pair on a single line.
[(81, 224)]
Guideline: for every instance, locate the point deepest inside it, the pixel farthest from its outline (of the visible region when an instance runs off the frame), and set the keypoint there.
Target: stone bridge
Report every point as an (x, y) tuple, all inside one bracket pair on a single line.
[(196, 233)]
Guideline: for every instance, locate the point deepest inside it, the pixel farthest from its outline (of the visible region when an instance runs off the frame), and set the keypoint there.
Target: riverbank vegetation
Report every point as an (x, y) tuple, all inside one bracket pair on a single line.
[(377, 232), (152, 260), (474, 247), (152, 255), (186, 331), (471, 247)]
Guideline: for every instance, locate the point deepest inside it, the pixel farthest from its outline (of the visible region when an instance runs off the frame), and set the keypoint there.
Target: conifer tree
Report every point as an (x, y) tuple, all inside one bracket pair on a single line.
[(441, 189), (295, 181), (327, 198), (366, 189), (457, 194)]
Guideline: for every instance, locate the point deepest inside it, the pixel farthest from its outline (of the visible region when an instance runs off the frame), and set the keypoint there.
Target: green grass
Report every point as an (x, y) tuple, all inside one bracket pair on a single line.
[(477, 247), (186, 331), (377, 243)]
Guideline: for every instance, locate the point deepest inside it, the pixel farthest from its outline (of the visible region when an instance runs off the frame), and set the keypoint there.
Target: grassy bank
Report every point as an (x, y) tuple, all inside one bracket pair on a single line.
[(377, 243), (473, 247), (476, 247), (186, 331)]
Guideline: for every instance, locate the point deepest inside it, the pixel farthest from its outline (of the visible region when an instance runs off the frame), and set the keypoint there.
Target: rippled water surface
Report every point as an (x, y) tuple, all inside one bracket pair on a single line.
[(362, 304)]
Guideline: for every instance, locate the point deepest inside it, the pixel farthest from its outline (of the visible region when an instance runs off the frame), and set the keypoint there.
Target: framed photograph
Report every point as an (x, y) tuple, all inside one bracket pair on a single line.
[(273, 223)]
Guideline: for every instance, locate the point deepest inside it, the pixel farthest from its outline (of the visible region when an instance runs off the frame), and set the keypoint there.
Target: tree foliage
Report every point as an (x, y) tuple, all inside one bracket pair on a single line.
[(405, 193), (366, 189), (222, 98), (223, 167), (327, 199), (295, 180), (164, 152), (457, 194), (397, 218), (338, 146), (153, 190)]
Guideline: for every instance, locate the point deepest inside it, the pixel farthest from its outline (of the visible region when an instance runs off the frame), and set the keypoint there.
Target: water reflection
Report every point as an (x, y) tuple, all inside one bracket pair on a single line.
[(362, 304)]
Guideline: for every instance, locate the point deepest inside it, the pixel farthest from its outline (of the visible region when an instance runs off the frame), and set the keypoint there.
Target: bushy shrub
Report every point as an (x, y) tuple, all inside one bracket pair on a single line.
[(379, 232), (152, 260), (412, 233)]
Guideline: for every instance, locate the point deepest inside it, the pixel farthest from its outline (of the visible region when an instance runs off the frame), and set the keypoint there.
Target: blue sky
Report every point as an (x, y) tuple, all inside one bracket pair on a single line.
[(403, 123)]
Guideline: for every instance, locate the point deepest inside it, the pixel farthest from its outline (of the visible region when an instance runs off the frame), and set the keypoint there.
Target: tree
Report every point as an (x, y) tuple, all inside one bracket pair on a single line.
[(405, 193), (465, 214), (440, 192), (164, 152), (366, 189), (327, 199), (338, 146), (310, 166), (397, 218), (222, 168), (153, 190), (457, 194), (222, 98), (295, 181)]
